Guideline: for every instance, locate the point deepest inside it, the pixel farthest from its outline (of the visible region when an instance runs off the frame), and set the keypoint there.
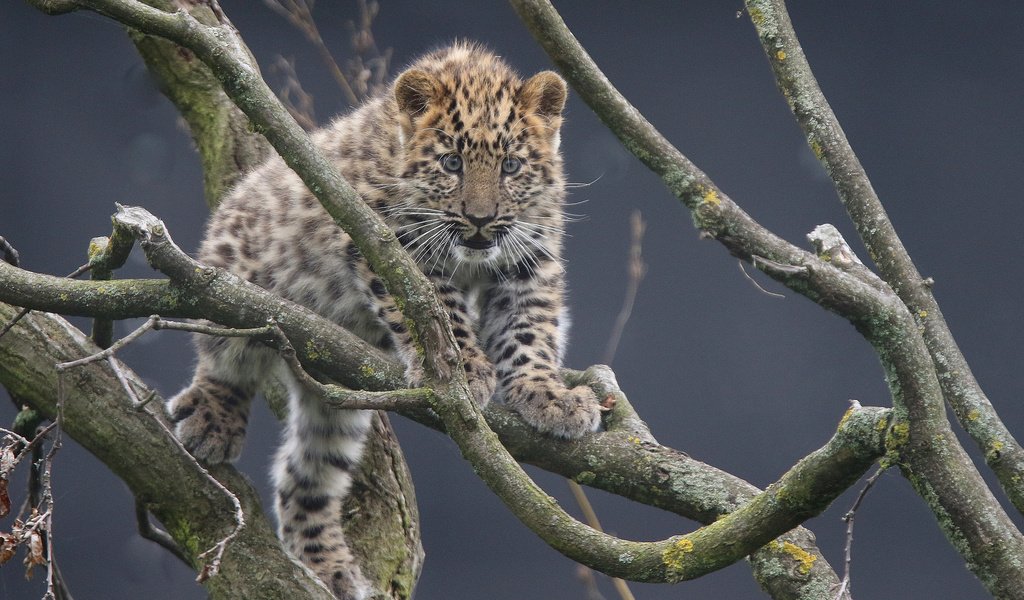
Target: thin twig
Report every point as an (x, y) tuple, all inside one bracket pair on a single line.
[(46, 485), (590, 516), (11, 256), (848, 517), (637, 270), (212, 567), (155, 534), (119, 373), (300, 14), (589, 582), (27, 444), (294, 97), (364, 74), (10, 455), (756, 284), (253, 332), (341, 397), (108, 352)]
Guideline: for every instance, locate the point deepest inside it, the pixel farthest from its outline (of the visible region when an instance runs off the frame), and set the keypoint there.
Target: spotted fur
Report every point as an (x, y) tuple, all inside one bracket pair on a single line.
[(461, 159)]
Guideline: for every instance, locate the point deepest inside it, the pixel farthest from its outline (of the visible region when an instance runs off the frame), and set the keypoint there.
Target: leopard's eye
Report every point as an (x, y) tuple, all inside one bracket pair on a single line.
[(511, 165), (452, 163)]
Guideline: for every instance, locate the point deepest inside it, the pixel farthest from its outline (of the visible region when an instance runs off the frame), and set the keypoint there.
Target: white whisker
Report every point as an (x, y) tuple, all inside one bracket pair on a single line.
[(575, 184)]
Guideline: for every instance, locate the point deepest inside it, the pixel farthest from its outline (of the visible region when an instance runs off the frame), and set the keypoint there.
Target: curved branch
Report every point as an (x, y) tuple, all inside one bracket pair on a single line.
[(827, 140), (922, 442), (220, 48), (463, 420), (749, 529)]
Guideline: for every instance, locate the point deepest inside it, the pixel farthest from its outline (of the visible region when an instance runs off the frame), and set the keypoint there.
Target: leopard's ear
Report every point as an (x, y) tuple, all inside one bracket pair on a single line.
[(415, 89), (544, 93)]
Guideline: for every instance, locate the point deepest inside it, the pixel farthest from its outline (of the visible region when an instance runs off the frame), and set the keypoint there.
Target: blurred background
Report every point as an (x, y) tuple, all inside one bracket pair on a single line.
[(931, 95)]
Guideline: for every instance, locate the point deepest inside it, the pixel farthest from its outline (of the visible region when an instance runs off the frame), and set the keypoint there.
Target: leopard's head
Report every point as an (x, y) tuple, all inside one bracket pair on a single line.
[(481, 167)]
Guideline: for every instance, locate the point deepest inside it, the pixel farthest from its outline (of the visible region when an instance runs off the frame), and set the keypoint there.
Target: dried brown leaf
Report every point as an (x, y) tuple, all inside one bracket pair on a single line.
[(5, 499), (35, 553), (8, 546), (8, 459)]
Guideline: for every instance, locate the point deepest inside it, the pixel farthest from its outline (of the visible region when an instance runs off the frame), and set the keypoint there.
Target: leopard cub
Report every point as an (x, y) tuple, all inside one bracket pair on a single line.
[(461, 160)]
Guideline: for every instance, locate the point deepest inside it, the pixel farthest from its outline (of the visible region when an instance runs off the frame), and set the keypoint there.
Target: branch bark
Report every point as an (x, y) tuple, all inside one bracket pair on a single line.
[(674, 559), (828, 141), (921, 442), (100, 416), (207, 287)]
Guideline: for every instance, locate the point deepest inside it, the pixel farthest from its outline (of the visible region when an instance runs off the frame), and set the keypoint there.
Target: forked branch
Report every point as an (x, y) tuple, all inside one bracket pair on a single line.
[(924, 447), (827, 140)]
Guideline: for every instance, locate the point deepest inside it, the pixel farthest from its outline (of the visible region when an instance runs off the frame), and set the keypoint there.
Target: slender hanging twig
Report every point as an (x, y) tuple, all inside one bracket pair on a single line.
[(848, 517)]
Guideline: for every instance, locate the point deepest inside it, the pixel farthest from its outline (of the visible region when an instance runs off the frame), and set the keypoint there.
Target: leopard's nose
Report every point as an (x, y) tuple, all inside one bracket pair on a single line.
[(480, 222)]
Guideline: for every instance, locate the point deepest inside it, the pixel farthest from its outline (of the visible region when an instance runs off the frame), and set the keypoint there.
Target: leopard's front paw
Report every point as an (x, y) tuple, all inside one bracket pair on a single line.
[(554, 409), (210, 421)]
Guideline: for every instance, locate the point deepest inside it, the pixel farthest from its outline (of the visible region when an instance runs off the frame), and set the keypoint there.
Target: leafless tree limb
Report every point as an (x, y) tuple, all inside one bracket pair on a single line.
[(924, 445), (827, 140), (848, 517)]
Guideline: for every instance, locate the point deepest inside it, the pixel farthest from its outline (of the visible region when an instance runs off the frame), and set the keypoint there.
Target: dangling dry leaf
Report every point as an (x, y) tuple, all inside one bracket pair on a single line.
[(5, 500), (8, 546), (7, 462), (35, 553)]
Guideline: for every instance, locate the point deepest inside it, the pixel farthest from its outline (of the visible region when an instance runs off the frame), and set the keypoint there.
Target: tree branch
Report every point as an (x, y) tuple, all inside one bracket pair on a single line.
[(219, 287), (922, 442), (462, 419), (103, 419), (228, 147), (828, 141)]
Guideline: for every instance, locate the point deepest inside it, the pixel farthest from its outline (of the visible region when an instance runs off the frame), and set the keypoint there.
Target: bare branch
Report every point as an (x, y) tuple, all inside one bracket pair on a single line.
[(755, 283), (10, 255), (212, 567), (590, 517), (300, 14), (928, 453), (826, 138), (636, 270), (848, 517), (298, 102), (154, 534)]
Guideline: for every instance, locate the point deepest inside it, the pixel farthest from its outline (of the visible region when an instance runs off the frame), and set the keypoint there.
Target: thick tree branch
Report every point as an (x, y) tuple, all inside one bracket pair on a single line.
[(227, 146), (462, 419), (102, 418), (163, 254), (220, 48), (828, 141), (922, 441)]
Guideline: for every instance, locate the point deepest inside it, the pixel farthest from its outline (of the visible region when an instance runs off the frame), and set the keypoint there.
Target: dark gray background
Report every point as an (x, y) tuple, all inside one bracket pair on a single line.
[(930, 95)]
